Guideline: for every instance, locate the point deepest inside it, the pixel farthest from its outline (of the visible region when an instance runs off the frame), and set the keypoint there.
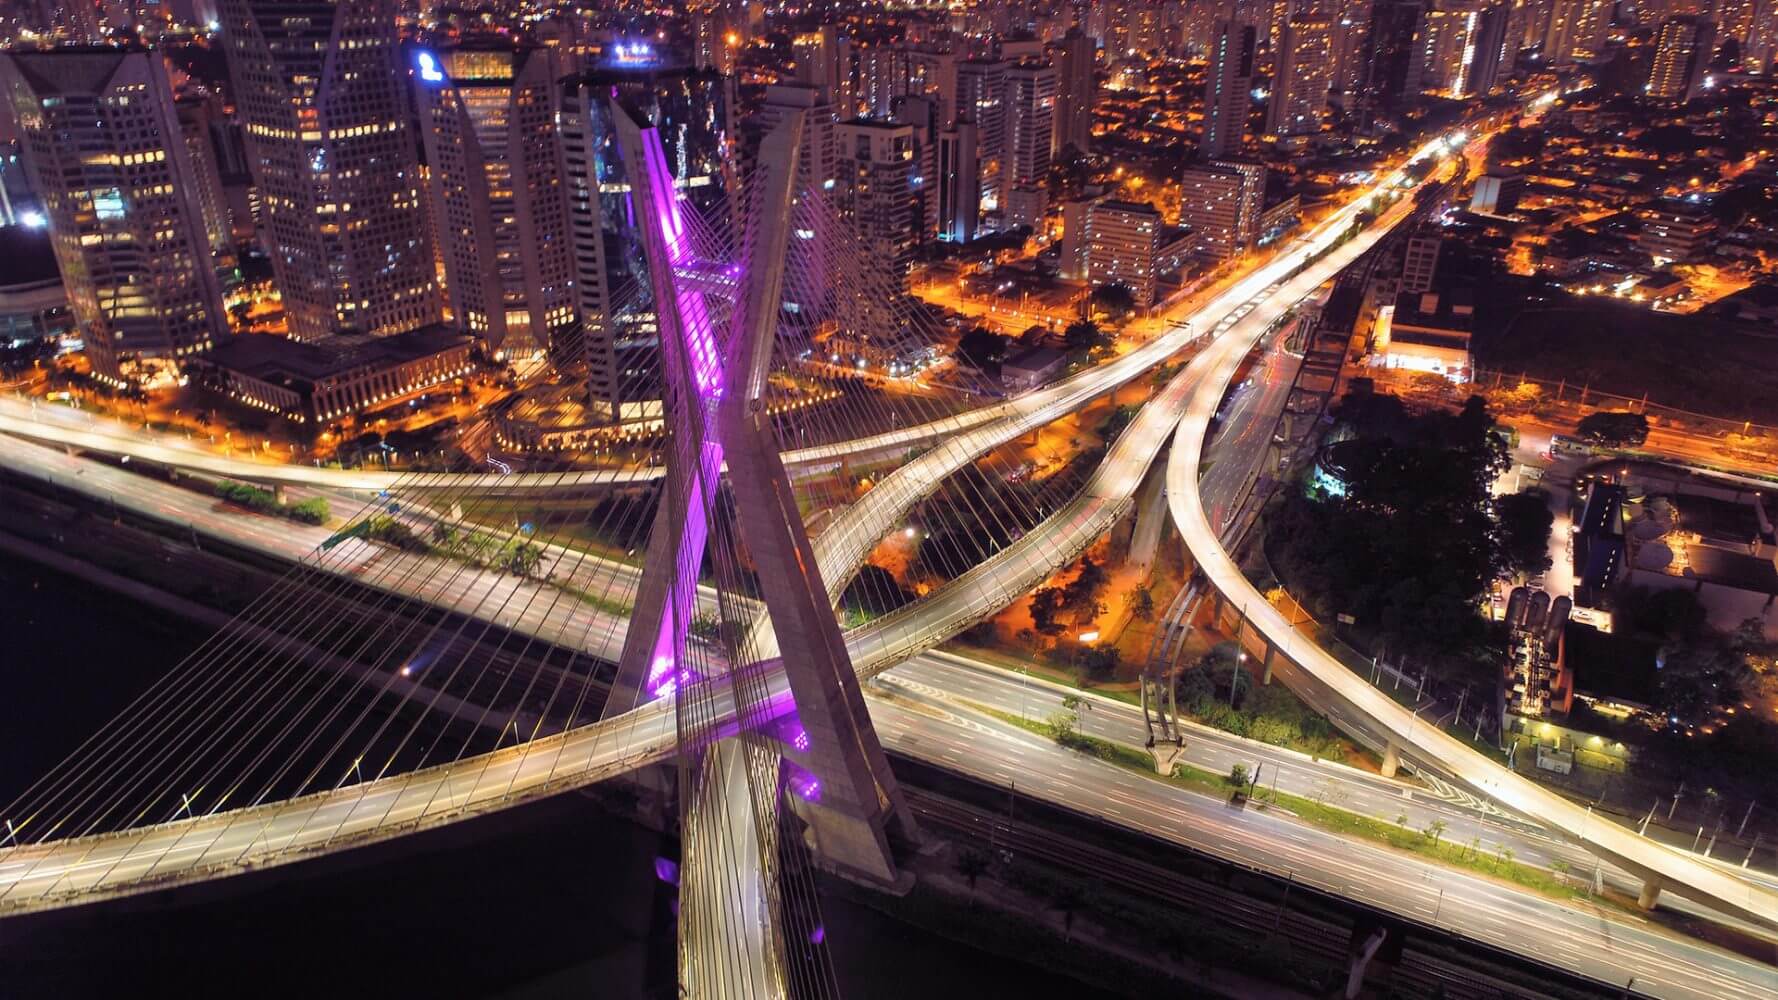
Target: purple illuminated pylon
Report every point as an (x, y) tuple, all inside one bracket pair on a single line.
[(694, 351)]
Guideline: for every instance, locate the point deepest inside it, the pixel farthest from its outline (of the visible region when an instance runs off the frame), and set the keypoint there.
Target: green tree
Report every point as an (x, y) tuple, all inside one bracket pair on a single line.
[(1087, 586), (314, 510), (1116, 298), (1524, 519), (1142, 604), (982, 349), (1046, 604), (1238, 775), (1614, 429), (1085, 335), (1436, 830)]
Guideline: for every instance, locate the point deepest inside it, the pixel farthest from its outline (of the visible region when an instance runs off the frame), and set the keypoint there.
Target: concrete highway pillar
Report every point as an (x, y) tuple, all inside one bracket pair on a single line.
[(1651, 892), (1150, 518), (281, 493), (1391, 760), (1266, 661)]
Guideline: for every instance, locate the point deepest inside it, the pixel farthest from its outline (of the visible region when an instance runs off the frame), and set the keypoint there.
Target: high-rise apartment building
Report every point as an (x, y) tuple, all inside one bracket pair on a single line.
[(1077, 90), (813, 104), (316, 86), (875, 189), (487, 117), (1302, 73), (922, 114), (932, 74), (1683, 47), (1030, 125), (1459, 48), (1077, 239), (959, 183), (981, 98), (1124, 240), (1352, 51), (692, 108), (1221, 202), (1420, 261), (122, 198), (1576, 30), (810, 246), (199, 114), (1226, 89)]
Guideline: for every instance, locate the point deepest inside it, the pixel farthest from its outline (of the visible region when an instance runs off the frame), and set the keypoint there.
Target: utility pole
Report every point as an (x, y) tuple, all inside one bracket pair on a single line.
[(1749, 815), (1643, 829), (1676, 796)]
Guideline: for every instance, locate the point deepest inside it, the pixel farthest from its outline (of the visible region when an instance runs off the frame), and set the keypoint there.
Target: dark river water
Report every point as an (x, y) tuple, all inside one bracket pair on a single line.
[(557, 900)]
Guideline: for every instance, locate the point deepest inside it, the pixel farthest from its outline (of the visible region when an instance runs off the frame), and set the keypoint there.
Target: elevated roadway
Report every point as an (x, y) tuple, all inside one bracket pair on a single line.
[(1659, 866), (69, 871)]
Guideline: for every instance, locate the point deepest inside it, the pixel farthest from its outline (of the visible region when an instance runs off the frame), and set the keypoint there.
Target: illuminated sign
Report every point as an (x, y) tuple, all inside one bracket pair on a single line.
[(633, 54), (428, 65)]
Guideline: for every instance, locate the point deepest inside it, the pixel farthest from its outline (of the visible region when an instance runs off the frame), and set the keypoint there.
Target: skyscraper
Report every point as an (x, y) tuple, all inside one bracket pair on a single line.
[(932, 73), (1123, 240), (1221, 202), (1352, 50), (959, 183), (981, 98), (1460, 48), (811, 244), (316, 86), (1077, 89), (106, 152), (1683, 48), (1030, 124), (875, 190), (1303, 67), (1227, 83), (1576, 30), (487, 118), (692, 109)]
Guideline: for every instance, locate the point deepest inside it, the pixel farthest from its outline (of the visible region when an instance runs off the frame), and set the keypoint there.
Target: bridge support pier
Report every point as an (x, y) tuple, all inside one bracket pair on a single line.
[(1391, 760), (1151, 518), (1166, 756), (1266, 663), (281, 493), (1651, 893)]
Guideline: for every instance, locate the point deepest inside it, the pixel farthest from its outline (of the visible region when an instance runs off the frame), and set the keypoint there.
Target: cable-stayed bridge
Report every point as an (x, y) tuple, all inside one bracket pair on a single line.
[(204, 836)]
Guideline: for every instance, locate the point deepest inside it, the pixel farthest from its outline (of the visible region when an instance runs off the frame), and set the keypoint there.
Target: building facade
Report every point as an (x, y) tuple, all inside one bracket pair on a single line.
[(1124, 241), (1683, 47), (1221, 202), (1227, 86), (1030, 130), (487, 118), (1303, 71), (317, 89), (121, 197)]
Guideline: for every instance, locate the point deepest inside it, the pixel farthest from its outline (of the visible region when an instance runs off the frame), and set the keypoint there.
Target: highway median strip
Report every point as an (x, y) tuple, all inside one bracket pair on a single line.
[(1428, 843)]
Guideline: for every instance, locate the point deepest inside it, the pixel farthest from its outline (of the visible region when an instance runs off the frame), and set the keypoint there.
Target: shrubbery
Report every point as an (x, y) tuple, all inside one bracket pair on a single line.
[(262, 501)]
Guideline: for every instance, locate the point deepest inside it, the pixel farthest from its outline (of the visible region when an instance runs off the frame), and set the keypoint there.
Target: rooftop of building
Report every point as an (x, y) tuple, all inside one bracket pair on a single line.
[(1444, 309), (296, 364), (1133, 207), (1611, 666), (1033, 359)]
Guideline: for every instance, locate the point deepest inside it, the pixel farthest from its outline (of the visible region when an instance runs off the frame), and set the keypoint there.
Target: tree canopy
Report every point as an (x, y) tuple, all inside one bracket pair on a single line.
[(1411, 544), (1614, 429)]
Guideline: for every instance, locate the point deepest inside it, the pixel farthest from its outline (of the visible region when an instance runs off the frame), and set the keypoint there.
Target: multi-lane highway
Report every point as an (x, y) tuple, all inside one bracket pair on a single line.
[(59, 872), (1609, 946), (272, 834), (1659, 866)]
